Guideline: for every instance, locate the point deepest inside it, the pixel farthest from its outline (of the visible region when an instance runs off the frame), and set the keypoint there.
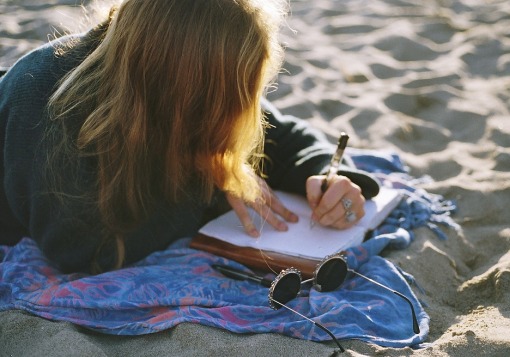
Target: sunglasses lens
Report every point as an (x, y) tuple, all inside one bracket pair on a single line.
[(331, 274), (285, 288)]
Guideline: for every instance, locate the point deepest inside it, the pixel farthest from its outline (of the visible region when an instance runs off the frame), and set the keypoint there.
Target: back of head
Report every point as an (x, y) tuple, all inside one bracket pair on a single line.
[(175, 86)]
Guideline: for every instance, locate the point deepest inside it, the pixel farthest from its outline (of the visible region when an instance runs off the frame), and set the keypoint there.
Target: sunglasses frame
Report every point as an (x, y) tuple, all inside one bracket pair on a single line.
[(275, 305), (286, 273), (322, 265), (293, 272)]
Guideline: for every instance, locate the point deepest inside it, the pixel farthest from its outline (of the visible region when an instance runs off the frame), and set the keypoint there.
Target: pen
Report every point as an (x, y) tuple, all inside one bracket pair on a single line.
[(334, 165), (335, 160), (241, 275)]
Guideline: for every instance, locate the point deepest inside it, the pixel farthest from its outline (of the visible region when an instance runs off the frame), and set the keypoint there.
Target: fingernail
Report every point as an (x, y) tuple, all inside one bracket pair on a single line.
[(254, 233), (282, 226), (293, 217)]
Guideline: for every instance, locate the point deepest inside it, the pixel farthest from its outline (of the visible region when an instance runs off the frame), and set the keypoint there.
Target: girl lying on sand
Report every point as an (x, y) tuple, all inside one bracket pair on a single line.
[(122, 139)]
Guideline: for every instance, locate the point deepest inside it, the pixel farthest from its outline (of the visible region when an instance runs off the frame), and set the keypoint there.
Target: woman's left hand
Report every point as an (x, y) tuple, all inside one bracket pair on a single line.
[(268, 207), (340, 206)]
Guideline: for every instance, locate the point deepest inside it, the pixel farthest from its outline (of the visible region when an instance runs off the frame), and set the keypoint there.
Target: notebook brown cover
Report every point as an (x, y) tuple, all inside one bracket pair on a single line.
[(254, 258)]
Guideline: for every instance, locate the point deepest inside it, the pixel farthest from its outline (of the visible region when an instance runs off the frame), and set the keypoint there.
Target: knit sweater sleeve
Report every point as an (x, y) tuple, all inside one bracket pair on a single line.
[(293, 150)]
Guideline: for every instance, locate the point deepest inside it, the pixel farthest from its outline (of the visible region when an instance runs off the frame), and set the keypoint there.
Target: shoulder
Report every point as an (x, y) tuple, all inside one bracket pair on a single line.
[(26, 88), (36, 73)]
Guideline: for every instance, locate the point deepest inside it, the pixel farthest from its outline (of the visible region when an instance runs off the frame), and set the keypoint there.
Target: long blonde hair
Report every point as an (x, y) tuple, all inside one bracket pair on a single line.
[(171, 93)]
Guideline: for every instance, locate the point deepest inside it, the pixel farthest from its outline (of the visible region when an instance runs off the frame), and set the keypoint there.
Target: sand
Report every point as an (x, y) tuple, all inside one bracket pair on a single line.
[(429, 80)]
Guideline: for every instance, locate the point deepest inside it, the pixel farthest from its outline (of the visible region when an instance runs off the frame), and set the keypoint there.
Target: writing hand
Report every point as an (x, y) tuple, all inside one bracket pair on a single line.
[(268, 207), (340, 205)]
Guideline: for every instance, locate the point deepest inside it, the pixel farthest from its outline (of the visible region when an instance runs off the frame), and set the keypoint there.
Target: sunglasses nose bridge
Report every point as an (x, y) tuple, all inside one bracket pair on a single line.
[(307, 281), (319, 287)]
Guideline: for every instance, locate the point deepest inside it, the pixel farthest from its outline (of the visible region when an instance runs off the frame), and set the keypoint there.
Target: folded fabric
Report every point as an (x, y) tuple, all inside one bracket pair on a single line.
[(178, 285)]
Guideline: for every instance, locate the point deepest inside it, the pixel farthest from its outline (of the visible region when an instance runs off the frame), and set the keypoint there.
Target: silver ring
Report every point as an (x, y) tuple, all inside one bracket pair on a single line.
[(347, 203), (350, 216)]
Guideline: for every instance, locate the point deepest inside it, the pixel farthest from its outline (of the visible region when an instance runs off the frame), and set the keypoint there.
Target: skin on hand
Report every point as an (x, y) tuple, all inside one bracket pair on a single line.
[(269, 207), (328, 208)]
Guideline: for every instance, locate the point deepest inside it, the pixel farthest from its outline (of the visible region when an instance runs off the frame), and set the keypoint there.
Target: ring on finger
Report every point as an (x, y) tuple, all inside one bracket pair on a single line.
[(347, 203), (350, 216)]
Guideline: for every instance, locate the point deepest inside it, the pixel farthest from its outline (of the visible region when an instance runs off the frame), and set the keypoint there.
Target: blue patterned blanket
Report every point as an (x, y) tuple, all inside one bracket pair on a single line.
[(178, 284)]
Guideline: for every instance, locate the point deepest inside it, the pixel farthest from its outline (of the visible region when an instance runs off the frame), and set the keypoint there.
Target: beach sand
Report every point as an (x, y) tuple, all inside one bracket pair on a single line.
[(429, 80)]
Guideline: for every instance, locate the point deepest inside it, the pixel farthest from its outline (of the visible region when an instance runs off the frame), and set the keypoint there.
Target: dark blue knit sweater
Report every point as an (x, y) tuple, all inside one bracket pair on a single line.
[(69, 230)]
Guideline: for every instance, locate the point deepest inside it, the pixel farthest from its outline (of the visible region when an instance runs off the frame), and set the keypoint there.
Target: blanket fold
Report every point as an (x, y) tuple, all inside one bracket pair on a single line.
[(178, 284)]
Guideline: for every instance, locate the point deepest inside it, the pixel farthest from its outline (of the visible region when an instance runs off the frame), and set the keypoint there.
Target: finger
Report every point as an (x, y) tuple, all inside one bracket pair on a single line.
[(274, 203), (313, 190), (349, 218), (269, 216), (243, 214), (342, 205), (333, 217), (353, 210), (330, 200), (279, 208)]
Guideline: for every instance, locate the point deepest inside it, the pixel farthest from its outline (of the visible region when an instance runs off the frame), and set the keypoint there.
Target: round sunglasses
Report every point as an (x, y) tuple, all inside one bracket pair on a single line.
[(329, 274)]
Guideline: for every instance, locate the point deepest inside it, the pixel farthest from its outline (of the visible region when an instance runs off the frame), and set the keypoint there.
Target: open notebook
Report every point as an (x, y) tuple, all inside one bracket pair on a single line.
[(301, 244)]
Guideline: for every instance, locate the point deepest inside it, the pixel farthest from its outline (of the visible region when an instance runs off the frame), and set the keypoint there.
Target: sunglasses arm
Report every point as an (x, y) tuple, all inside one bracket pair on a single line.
[(315, 323), (416, 326)]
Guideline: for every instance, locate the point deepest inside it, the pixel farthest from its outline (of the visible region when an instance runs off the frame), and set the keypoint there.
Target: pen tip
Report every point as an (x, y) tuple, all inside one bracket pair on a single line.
[(342, 140)]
